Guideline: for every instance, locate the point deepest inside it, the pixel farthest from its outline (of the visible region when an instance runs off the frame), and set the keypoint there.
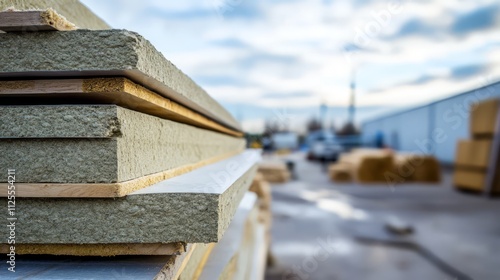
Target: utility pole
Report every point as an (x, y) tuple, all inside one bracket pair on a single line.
[(323, 108), (352, 102)]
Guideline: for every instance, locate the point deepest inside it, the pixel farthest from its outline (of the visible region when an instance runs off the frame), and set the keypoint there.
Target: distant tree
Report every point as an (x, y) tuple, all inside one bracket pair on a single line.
[(348, 129), (314, 125), (270, 128)]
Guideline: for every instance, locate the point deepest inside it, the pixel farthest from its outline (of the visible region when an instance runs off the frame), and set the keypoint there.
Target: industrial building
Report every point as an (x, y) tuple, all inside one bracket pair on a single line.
[(433, 129)]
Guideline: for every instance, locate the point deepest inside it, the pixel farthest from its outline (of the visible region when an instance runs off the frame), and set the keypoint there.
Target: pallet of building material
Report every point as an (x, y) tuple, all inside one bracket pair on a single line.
[(483, 118), (104, 53), (417, 168), (195, 207), (369, 166), (72, 10), (263, 190), (473, 180), (473, 154), (472, 163), (274, 171), (101, 150), (340, 173), (118, 91), (32, 21)]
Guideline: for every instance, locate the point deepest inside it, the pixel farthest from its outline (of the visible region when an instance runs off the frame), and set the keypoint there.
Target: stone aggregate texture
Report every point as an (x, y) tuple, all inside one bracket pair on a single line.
[(196, 207), (100, 144), (105, 53)]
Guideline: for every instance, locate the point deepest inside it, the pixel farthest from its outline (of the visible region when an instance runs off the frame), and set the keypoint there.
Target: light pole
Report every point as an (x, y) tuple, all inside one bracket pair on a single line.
[(323, 108), (352, 101)]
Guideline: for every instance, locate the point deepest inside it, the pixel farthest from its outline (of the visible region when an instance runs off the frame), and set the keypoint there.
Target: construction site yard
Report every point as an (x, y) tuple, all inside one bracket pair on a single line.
[(316, 225)]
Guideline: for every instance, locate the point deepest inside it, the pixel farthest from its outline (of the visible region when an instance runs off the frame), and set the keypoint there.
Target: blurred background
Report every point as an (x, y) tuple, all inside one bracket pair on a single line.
[(325, 86), (259, 57)]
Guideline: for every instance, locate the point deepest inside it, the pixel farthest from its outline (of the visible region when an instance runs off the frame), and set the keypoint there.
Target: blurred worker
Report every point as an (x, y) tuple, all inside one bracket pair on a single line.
[(379, 140)]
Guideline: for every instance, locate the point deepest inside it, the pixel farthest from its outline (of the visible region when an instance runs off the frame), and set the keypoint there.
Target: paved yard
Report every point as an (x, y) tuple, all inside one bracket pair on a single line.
[(314, 222)]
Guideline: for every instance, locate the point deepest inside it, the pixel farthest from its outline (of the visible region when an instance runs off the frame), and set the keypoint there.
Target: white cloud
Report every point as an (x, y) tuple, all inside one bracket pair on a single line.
[(313, 35)]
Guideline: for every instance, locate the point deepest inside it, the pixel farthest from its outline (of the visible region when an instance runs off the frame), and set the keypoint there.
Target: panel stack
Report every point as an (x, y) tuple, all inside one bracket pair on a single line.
[(476, 157), (366, 166), (113, 152), (274, 171)]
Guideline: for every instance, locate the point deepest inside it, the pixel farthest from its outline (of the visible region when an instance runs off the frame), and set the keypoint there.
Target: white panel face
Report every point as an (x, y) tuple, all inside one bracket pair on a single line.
[(433, 129)]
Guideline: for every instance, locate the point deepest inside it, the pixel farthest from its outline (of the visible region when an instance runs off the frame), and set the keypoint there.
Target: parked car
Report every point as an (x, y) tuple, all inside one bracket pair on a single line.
[(326, 150), (325, 146)]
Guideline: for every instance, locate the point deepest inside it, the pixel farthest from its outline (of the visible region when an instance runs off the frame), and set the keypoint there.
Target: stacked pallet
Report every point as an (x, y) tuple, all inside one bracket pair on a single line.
[(476, 157), (340, 173), (363, 166), (117, 152), (384, 166), (274, 171), (411, 167)]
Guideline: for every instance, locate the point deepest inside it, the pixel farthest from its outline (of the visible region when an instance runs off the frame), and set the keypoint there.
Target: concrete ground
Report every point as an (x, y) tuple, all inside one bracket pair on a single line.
[(315, 222)]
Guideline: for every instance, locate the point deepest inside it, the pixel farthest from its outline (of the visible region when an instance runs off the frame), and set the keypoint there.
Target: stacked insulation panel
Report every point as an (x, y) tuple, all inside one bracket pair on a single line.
[(274, 171), (475, 157), (385, 166), (116, 152)]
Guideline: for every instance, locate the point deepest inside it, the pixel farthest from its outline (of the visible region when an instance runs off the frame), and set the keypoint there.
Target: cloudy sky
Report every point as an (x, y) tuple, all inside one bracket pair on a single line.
[(266, 59)]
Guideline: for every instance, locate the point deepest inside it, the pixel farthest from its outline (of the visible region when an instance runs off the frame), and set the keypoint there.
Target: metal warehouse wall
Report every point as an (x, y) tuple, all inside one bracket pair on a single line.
[(431, 129)]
